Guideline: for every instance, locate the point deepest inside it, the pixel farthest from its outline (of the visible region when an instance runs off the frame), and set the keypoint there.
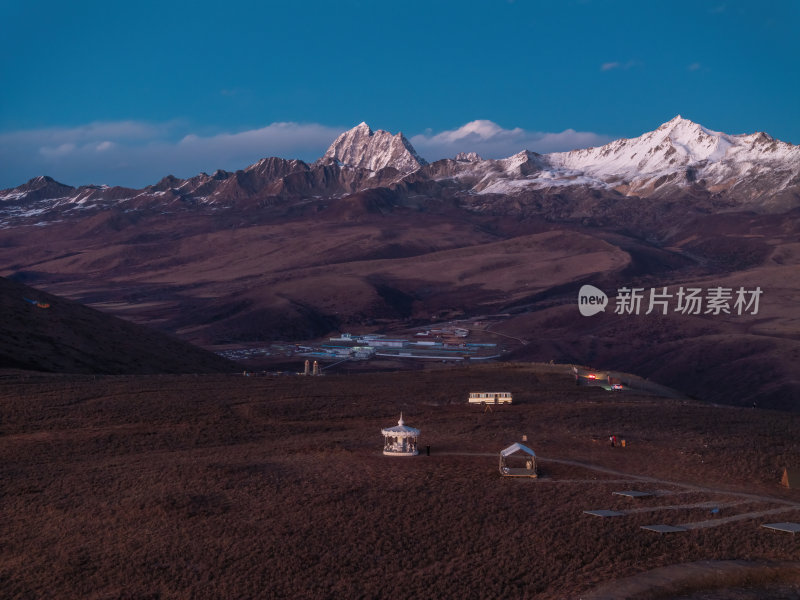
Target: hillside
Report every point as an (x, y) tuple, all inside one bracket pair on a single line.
[(259, 487), (42, 332)]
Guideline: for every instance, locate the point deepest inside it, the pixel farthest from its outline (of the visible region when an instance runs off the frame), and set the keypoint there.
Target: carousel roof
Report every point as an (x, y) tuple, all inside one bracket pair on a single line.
[(516, 447), (401, 429)]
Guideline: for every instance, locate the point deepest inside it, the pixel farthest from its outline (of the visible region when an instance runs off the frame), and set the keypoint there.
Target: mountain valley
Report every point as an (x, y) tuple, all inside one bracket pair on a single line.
[(371, 238)]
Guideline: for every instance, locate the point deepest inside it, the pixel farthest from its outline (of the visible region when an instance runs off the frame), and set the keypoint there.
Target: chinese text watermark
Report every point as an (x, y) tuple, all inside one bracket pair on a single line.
[(685, 300)]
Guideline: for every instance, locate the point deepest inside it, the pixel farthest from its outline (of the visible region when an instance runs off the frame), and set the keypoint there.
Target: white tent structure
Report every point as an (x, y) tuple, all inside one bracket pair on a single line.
[(518, 452), (400, 440)]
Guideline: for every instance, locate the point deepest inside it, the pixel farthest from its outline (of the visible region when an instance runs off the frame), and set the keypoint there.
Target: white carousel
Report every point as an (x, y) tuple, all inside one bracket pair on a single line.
[(400, 440)]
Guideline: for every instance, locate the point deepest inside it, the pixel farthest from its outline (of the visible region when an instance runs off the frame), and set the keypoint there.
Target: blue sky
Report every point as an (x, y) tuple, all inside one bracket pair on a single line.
[(124, 93)]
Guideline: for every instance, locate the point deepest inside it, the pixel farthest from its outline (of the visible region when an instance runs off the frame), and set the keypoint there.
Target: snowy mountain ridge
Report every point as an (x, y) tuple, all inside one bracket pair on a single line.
[(678, 155), (678, 159), (682, 147)]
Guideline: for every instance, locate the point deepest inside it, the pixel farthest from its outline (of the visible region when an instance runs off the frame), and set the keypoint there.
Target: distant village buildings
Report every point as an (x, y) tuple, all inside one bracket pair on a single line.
[(441, 344)]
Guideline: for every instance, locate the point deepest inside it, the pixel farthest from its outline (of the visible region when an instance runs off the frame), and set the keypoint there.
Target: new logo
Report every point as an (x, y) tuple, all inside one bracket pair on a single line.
[(591, 300)]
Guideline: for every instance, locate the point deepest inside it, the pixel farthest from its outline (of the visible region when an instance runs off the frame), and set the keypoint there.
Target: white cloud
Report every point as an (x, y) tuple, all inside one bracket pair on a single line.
[(611, 66), (278, 139), (59, 150), (695, 66), (135, 154), (492, 141)]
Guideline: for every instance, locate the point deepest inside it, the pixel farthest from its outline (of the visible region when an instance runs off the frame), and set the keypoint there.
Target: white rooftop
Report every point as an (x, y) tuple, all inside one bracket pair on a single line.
[(516, 447), (401, 429)]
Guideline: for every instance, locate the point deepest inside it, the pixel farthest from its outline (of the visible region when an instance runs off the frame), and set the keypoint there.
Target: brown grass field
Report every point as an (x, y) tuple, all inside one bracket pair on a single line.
[(222, 486)]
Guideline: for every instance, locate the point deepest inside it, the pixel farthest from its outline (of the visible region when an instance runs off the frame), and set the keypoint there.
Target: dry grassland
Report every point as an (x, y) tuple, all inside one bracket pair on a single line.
[(245, 487)]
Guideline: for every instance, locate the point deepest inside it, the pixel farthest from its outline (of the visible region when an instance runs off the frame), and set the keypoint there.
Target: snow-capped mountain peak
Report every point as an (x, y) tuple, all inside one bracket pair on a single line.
[(695, 141), (363, 148), (679, 154), (676, 120), (678, 143), (675, 144)]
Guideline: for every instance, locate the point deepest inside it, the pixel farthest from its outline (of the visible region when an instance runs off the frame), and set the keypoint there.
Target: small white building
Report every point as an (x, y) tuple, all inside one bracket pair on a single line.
[(400, 440), (345, 337), (384, 343), (490, 397), (362, 352)]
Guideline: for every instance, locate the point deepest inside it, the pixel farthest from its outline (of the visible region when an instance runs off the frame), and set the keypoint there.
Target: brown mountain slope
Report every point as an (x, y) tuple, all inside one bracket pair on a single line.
[(301, 278), (376, 260), (41, 332)]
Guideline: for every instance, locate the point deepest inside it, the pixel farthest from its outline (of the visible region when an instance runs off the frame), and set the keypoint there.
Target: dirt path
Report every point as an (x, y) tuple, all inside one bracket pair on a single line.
[(687, 486), (622, 477), (640, 384), (715, 522)]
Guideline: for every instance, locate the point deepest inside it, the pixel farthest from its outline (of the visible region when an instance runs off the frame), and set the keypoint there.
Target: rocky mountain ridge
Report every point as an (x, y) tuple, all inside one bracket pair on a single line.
[(679, 159), (362, 148)]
